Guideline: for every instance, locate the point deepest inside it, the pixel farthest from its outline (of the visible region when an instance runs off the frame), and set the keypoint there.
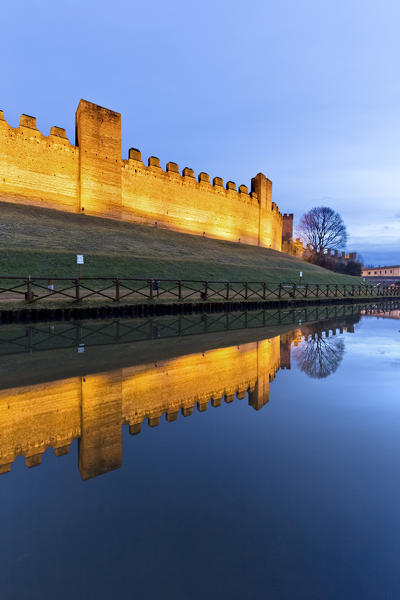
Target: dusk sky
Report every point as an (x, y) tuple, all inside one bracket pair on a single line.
[(305, 91)]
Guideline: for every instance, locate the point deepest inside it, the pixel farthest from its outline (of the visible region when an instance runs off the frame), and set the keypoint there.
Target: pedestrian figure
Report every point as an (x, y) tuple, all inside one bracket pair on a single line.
[(156, 285)]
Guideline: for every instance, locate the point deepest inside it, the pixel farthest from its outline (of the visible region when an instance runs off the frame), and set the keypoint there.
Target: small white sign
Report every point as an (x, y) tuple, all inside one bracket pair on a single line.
[(79, 259), (81, 348), (301, 273)]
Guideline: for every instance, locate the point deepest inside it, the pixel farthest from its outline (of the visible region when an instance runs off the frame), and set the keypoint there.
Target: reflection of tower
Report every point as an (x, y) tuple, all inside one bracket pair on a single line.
[(286, 341), (268, 361), (260, 394), (100, 445)]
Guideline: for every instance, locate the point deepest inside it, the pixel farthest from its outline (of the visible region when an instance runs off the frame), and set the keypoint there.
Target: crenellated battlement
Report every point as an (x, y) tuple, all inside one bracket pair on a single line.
[(29, 122), (91, 178), (59, 132), (135, 155)]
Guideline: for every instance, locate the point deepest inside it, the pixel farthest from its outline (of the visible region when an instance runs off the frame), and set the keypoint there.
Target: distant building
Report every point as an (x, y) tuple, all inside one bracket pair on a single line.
[(393, 271)]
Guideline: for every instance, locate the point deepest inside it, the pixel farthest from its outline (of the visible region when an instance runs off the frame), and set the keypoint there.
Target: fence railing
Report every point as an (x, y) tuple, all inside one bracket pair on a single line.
[(119, 289), (41, 337)]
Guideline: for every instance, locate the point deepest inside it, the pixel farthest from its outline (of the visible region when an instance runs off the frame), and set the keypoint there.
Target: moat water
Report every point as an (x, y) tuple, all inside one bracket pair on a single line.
[(248, 455)]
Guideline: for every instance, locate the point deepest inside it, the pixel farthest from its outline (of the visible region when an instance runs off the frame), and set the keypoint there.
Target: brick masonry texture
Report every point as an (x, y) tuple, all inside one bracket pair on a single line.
[(91, 178)]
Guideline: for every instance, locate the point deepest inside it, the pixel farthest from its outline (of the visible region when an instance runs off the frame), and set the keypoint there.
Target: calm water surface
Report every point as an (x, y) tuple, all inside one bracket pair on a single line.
[(282, 480)]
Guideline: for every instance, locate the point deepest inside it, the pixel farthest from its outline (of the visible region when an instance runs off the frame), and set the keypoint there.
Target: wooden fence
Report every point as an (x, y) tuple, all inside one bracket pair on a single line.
[(118, 289)]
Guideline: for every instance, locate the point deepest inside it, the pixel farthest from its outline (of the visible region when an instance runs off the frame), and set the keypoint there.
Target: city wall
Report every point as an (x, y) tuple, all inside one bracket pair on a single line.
[(38, 170), (91, 178)]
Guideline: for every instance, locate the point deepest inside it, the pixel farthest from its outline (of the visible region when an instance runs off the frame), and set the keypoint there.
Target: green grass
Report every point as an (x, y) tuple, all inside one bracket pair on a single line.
[(41, 242)]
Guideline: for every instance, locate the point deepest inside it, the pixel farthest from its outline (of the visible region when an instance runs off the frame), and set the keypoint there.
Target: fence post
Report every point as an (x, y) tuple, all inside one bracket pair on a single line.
[(117, 331), (294, 291), (30, 339), (305, 290), (29, 293), (117, 290), (317, 290), (77, 291), (150, 284), (179, 290), (280, 291), (352, 290), (78, 333), (264, 291), (245, 290), (205, 292), (227, 290), (327, 290)]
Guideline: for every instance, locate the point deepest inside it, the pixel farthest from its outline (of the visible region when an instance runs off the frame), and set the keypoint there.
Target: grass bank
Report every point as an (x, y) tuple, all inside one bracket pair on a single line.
[(40, 242)]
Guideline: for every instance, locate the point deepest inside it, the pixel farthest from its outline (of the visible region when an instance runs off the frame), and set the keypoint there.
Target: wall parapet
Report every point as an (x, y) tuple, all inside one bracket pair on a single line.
[(135, 155), (92, 178), (29, 122)]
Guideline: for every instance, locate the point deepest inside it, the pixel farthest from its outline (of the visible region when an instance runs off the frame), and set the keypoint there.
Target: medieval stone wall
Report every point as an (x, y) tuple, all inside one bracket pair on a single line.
[(92, 179), (167, 199), (35, 169)]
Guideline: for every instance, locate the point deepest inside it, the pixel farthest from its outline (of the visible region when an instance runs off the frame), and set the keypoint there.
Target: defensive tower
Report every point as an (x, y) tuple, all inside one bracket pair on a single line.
[(91, 178)]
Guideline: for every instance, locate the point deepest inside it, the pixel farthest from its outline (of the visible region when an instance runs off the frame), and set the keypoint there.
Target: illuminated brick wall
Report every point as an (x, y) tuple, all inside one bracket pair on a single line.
[(91, 178), (38, 170)]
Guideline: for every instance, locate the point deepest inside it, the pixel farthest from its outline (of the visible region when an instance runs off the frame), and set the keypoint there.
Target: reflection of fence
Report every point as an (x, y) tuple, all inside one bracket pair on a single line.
[(17, 339), (33, 289)]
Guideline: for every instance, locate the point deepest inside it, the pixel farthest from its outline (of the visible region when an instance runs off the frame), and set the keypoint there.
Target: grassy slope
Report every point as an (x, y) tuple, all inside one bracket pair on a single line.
[(41, 242)]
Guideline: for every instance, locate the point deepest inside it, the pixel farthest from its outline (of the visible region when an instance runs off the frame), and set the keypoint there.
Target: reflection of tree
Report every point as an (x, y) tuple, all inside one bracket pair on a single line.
[(319, 356)]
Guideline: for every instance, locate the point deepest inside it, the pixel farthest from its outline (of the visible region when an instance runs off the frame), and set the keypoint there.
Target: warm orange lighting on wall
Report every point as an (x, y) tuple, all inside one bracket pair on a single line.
[(91, 179)]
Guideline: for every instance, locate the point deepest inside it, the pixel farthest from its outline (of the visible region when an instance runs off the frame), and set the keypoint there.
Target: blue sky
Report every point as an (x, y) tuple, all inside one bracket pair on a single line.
[(305, 91)]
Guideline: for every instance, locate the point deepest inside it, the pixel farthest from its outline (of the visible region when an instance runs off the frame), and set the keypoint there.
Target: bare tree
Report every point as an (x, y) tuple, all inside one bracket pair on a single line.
[(322, 228)]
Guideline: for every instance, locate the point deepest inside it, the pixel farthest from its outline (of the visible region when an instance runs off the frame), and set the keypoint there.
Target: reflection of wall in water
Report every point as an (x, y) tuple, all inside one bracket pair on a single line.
[(94, 408)]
